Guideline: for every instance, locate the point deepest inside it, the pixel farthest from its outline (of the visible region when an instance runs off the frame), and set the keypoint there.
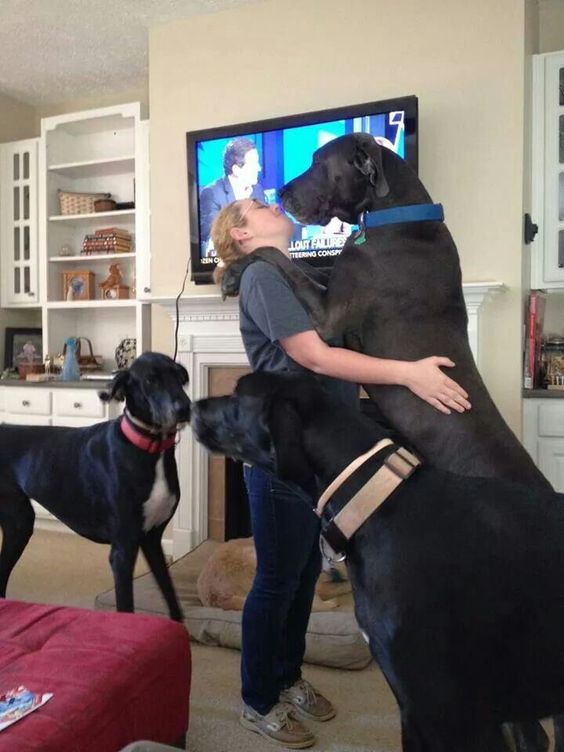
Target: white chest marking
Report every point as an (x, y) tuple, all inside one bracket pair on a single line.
[(158, 507)]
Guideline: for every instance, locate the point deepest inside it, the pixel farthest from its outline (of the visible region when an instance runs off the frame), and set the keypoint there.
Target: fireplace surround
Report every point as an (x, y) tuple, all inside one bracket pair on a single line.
[(208, 343)]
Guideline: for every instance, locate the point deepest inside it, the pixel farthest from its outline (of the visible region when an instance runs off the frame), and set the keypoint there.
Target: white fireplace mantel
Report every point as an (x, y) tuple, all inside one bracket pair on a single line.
[(208, 337)]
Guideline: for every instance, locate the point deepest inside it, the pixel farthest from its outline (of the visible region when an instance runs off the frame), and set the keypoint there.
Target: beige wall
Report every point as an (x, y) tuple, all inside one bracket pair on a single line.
[(17, 120), (465, 61)]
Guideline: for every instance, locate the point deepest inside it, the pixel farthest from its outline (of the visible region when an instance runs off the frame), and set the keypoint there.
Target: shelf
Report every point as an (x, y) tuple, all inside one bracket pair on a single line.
[(90, 217), (59, 304), (90, 123), (95, 167), (92, 257), (95, 151)]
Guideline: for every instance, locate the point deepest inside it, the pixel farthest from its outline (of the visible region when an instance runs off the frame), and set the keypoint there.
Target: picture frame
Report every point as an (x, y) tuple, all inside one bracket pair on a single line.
[(23, 345), (78, 284)]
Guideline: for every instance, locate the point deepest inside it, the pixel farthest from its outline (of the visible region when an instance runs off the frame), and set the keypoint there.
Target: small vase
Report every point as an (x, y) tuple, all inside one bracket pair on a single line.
[(126, 352), (71, 369)]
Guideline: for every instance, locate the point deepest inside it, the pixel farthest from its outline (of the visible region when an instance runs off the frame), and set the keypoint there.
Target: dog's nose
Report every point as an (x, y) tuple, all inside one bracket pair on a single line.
[(182, 408), (184, 415)]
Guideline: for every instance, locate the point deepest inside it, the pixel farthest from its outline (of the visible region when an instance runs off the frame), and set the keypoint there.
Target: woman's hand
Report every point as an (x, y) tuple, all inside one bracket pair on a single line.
[(425, 379)]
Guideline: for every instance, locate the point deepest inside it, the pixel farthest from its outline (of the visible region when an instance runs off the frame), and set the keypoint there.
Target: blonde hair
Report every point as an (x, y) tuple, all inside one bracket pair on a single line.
[(226, 247)]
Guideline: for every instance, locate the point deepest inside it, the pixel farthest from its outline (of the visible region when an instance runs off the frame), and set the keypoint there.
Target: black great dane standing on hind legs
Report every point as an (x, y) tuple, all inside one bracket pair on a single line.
[(395, 292), (113, 482)]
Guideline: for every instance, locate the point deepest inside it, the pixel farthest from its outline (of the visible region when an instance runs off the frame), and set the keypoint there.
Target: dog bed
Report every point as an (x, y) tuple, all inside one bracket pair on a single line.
[(333, 637)]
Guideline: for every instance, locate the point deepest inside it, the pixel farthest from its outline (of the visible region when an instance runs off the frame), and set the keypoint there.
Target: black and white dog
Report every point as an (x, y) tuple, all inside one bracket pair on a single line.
[(458, 581), (114, 482)]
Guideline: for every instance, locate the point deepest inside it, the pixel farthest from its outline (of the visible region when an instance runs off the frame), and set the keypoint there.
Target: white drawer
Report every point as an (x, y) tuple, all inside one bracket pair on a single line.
[(2, 408), (61, 420), (78, 403), (551, 418), (27, 400), (26, 420)]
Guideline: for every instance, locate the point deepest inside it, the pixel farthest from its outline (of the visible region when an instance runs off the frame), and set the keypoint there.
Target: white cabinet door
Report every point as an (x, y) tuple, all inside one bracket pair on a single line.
[(18, 223), (547, 251), (551, 461), (543, 437)]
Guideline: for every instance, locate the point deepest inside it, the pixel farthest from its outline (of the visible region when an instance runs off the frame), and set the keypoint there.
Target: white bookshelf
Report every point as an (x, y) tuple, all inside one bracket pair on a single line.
[(95, 151)]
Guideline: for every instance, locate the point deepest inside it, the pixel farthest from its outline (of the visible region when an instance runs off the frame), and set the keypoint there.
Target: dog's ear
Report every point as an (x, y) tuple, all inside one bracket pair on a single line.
[(183, 373), (118, 387), (286, 431), (231, 278), (369, 162)]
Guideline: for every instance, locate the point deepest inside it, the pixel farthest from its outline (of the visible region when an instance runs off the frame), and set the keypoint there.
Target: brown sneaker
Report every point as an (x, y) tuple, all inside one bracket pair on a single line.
[(308, 702), (278, 726)]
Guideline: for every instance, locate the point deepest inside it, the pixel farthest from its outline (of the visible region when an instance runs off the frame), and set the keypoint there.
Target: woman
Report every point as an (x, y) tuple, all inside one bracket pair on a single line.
[(278, 336)]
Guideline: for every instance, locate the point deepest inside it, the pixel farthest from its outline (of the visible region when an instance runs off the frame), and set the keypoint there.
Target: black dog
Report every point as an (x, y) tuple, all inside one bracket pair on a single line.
[(395, 292), (457, 581), (113, 482)]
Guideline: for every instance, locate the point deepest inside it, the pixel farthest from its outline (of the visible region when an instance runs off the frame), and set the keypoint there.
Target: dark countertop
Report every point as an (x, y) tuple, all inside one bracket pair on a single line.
[(543, 393), (86, 384)]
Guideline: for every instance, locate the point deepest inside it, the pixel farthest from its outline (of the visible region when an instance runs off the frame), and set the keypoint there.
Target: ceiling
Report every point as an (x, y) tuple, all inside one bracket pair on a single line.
[(52, 51)]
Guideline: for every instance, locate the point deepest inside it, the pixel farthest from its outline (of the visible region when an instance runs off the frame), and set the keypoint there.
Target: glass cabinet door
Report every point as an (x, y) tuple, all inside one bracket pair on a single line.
[(560, 126), (18, 231), (553, 225)]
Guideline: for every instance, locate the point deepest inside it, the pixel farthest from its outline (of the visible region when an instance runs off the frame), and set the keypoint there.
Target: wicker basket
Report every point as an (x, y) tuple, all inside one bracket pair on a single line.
[(104, 205), (79, 203), (86, 363)]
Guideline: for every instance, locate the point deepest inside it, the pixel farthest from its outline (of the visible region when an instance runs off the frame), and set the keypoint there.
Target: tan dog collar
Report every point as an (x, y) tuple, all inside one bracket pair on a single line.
[(396, 467)]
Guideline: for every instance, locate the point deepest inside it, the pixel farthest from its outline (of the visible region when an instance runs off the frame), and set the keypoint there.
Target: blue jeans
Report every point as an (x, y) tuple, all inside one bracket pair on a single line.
[(277, 609)]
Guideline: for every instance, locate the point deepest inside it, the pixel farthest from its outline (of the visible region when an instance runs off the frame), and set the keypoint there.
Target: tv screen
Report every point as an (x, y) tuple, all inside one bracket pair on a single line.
[(257, 159)]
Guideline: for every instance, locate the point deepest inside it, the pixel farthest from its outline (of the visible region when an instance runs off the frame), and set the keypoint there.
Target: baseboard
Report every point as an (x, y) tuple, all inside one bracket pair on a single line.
[(52, 524)]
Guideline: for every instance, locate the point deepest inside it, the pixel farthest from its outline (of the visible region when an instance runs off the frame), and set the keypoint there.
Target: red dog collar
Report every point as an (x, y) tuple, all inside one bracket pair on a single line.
[(153, 443)]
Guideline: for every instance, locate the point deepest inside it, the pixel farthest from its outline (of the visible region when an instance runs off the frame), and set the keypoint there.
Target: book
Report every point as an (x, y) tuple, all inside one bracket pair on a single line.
[(112, 231), (534, 320)]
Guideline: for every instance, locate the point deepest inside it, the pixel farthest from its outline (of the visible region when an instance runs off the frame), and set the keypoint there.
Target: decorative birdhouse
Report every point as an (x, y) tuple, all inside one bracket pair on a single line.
[(112, 288)]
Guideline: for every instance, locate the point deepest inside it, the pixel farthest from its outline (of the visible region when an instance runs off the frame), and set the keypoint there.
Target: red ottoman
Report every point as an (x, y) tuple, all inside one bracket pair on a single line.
[(115, 678)]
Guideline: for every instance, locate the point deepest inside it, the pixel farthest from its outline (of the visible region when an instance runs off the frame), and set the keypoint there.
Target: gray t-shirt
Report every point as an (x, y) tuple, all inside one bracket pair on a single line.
[(269, 311)]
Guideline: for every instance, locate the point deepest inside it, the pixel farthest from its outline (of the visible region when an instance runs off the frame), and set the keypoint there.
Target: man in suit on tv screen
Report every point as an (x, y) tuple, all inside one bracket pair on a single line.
[(241, 167)]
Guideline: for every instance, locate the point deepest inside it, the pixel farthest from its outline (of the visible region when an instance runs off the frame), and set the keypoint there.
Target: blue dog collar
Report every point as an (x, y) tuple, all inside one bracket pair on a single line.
[(413, 213)]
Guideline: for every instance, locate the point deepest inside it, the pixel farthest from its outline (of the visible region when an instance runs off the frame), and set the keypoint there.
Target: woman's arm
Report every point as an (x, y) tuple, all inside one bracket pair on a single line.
[(423, 377)]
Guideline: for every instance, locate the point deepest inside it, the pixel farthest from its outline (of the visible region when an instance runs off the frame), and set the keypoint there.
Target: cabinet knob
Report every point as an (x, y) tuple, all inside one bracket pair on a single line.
[(146, 289), (31, 294), (77, 404), (25, 403)]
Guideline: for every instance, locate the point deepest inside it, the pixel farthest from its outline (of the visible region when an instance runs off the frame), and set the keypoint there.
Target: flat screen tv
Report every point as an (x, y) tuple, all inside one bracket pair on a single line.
[(259, 158)]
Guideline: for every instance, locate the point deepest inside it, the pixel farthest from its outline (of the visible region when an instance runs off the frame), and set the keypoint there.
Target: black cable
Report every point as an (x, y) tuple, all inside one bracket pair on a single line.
[(177, 309)]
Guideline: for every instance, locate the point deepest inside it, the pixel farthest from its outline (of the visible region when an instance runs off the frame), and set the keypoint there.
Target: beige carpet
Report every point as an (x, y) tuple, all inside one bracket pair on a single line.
[(66, 569), (62, 568)]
